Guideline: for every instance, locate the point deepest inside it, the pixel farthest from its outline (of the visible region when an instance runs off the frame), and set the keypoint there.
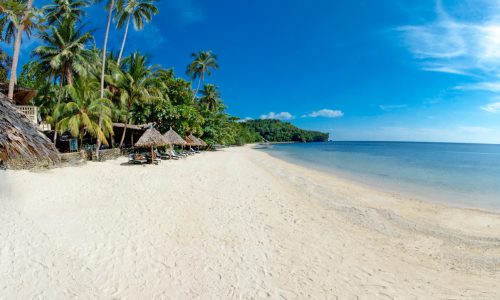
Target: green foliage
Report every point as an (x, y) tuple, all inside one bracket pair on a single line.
[(138, 10), (64, 52), (67, 68), (64, 9), (5, 62), (278, 131), (80, 114)]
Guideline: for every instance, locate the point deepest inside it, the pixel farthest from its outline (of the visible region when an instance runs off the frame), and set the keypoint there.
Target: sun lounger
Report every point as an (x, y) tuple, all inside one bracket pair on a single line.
[(167, 155), (136, 159)]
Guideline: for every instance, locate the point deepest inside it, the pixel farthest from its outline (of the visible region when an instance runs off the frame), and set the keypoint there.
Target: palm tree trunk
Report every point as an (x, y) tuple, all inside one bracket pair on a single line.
[(57, 107), (17, 49), (69, 75), (110, 14), (124, 129), (123, 42), (197, 88)]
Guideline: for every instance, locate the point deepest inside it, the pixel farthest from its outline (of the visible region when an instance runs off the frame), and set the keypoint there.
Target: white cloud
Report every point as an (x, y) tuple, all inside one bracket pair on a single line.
[(455, 46), (493, 87), (244, 120), (326, 113), (279, 116), (492, 107), (392, 107)]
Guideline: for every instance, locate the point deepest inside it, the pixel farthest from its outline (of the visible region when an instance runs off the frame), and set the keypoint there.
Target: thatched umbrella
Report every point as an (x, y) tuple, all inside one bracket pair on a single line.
[(21, 144), (191, 140), (173, 138), (151, 138), (202, 142)]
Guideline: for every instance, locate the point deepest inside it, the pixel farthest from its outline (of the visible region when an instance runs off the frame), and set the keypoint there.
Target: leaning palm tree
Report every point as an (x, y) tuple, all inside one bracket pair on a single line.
[(203, 63), (65, 9), (25, 22), (81, 114), (210, 97), (134, 84), (139, 10)]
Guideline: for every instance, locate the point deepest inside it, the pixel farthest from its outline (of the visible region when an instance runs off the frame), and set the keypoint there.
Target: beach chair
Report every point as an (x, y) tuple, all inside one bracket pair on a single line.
[(161, 155), (168, 155), (174, 154), (136, 159)]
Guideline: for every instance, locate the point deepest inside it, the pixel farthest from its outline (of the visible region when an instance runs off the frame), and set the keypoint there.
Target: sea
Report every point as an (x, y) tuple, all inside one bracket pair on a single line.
[(460, 175)]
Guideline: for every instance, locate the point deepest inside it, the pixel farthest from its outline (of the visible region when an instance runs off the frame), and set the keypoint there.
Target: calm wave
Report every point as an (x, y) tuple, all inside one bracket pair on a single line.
[(457, 174)]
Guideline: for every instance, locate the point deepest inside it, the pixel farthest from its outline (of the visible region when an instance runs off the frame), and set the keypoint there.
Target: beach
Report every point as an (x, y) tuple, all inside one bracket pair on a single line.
[(234, 224)]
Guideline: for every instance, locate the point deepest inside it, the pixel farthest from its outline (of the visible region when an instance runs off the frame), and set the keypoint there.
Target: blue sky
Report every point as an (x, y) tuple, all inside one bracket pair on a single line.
[(362, 70)]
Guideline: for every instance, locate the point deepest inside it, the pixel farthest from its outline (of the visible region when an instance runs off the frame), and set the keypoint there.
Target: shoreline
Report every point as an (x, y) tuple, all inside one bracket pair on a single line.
[(234, 223), (396, 188)]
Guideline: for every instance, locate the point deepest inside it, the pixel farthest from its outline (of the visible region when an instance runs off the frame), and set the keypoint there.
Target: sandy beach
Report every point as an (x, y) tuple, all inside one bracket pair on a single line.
[(234, 224)]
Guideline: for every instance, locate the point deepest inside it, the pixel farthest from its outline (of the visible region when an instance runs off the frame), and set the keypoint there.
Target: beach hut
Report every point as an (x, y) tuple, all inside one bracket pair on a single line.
[(150, 139), (22, 95), (199, 142), (192, 141), (22, 146), (202, 142), (174, 138)]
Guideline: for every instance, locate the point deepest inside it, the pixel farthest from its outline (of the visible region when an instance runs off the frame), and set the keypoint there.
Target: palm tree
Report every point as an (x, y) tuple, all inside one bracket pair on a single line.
[(14, 11), (140, 10), (134, 84), (81, 114), (10, 15), (203, 63), (65, 9), (111, 7), (210, 97), (65, 50), (64, 54)]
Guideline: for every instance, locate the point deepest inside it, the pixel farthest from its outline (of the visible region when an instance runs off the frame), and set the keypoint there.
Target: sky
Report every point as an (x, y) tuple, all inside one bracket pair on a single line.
[(388, 70)]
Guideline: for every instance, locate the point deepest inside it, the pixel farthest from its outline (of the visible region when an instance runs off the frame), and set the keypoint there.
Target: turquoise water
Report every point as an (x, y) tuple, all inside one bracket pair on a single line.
[(465, 175)]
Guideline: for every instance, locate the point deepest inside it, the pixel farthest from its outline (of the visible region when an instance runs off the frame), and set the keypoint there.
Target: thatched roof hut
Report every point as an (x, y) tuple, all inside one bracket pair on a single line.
[(203, 144), (22, 95), (194, 141), (173, 138), (191, 140), (151, 138), (22, 146)]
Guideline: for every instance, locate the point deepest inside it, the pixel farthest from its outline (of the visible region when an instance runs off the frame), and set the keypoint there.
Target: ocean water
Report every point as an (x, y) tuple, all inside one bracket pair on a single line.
[(463, 175)]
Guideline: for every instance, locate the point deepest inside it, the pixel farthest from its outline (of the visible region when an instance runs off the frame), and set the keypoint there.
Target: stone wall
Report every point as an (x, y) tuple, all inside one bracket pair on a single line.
[(24, 164), (67, 159), (107, 154), (74, 158)]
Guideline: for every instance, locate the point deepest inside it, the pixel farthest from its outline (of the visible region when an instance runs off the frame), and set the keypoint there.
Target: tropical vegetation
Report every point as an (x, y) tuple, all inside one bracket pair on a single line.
[(84, 89)]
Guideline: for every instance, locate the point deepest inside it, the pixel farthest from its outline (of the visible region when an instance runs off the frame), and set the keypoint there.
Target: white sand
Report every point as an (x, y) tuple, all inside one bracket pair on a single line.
[(235, 224)]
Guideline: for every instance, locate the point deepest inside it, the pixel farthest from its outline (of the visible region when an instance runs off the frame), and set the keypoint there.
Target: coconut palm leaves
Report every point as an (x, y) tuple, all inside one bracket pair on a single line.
[(65, 49), (203, 63), (17, 16), (135, 84), (80, 115), (210, 99), (139, 11), (65, 9), (10, 16)]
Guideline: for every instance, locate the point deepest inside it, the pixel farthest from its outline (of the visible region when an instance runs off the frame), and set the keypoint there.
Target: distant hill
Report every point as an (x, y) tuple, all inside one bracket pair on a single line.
[(278, 131)]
